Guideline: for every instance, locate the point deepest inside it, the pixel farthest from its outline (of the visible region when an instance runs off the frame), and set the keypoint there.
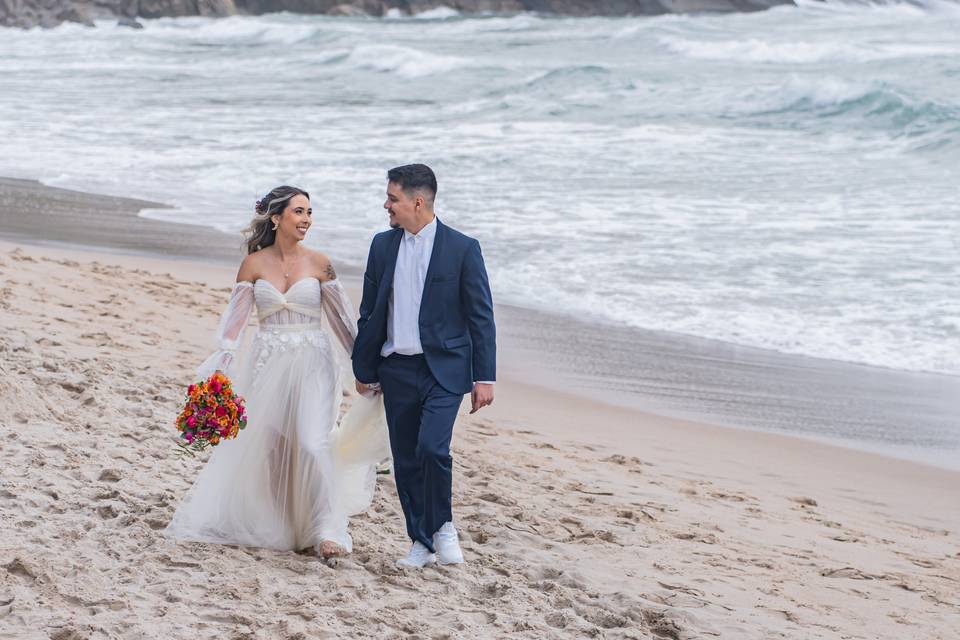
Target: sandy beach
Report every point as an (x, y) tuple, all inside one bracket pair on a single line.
[(579, 517)]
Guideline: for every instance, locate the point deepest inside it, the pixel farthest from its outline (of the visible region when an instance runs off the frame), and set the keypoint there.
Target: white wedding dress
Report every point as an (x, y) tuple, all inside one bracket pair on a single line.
[(293, 477)]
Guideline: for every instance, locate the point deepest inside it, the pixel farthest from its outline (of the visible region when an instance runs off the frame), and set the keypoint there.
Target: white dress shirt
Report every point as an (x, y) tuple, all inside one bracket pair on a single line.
[(403, 311)]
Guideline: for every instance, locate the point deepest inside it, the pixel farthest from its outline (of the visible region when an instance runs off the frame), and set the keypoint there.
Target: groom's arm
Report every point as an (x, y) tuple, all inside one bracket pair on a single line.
[(478, 306), (370, 285), (367, 301)]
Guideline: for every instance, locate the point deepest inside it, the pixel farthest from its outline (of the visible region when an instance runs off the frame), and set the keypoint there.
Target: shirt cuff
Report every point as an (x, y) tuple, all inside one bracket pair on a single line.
[(483, 382)]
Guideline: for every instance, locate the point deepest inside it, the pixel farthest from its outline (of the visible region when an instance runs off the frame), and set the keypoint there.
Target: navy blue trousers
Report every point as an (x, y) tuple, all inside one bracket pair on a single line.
[(420, 417)]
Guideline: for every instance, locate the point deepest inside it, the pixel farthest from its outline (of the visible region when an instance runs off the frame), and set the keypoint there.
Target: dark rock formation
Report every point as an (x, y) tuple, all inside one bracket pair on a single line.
[(49, 13), (42, 13)]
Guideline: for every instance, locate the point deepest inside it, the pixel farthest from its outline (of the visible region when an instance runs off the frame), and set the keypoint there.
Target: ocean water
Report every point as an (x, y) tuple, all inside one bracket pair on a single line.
[(788, 180)]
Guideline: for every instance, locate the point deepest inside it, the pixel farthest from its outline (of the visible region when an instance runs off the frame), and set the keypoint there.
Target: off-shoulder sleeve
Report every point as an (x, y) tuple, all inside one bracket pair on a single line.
[(338, 311), (233, 322)]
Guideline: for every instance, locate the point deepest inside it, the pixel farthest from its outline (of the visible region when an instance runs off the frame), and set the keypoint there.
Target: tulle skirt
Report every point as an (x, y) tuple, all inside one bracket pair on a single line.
[(293, 477)]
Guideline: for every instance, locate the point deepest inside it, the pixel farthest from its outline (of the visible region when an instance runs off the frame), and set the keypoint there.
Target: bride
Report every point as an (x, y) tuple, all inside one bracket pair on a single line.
[(290, 479)]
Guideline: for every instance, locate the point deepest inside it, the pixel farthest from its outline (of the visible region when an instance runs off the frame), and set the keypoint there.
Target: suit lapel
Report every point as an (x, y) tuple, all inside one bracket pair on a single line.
[(434, 259), (393, 250)]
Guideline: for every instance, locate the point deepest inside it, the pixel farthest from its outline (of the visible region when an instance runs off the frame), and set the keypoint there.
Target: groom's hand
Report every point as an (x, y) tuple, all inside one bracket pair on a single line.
[(481, 396), (364, 389)]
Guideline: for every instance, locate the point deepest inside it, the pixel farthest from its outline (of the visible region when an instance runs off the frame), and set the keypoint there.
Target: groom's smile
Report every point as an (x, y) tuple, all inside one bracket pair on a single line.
[(407, 209), (392, 204)]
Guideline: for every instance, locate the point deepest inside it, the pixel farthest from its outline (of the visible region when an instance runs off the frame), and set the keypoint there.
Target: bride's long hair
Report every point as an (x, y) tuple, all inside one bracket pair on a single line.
[(260, 234)]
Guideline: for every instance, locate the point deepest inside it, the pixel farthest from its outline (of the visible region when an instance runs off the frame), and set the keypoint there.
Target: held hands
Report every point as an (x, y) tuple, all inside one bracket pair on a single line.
[(481, 396), (368, 390)]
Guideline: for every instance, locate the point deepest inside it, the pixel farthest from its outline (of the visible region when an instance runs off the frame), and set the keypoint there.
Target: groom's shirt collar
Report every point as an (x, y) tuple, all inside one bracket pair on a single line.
[(427, 233)]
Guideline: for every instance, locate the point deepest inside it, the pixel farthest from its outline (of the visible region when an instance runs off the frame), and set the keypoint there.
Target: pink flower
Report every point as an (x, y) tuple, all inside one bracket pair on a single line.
[(191, 421), (221, 411)]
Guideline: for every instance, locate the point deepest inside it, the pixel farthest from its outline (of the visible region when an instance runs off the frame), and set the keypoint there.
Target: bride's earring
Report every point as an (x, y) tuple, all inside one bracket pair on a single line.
[(275, 225)]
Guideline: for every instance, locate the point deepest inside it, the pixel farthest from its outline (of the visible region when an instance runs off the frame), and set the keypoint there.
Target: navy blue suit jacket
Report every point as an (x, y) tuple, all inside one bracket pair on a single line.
[(457, 330)]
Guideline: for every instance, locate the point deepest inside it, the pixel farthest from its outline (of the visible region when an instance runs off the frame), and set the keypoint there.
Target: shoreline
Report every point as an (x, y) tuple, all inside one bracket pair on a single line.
[(110, 223), (670, 375), (740, 387)]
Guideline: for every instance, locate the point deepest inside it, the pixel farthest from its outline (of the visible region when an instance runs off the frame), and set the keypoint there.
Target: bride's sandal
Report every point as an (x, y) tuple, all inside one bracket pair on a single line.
[(330, 549)]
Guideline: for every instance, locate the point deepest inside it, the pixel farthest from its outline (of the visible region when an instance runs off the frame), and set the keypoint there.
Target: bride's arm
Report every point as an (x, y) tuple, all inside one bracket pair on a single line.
[(338, 310), (233, 323)]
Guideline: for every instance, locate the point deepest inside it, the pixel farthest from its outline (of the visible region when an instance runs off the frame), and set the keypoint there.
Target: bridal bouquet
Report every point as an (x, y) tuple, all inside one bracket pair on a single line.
[(211, 413)]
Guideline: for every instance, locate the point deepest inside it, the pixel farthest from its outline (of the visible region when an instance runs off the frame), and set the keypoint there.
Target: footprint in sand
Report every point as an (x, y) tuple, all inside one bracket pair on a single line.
[(110, 475), (179, 564), (920, 562), (6, 605), (604, 618), (497, 498), (850, 572), (23, 570), (68, 633), (558, 619), (661, 625), (107, 511), (480, 536), (495, 589), (731, 497), (705, 538)]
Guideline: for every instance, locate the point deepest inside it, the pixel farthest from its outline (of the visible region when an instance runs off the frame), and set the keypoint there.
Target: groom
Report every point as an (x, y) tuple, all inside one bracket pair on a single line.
[(427, 336)]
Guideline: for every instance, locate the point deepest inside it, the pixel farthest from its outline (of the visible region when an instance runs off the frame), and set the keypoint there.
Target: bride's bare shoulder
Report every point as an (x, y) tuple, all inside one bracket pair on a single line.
[(250, 268), (322, 265)]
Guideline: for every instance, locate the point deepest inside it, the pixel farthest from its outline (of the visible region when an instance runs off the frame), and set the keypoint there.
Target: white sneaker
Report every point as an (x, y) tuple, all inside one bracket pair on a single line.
[(418, 557), (447, 544)]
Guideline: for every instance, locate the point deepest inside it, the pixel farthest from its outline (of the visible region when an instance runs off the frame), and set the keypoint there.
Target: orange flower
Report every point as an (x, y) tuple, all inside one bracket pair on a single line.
[(212, 413)]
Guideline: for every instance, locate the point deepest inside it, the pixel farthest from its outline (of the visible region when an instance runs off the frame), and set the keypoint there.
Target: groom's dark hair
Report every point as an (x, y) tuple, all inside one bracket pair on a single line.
[(415, 177)]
